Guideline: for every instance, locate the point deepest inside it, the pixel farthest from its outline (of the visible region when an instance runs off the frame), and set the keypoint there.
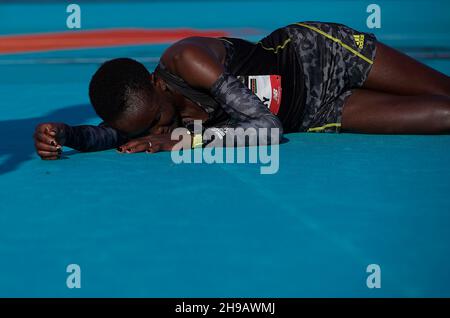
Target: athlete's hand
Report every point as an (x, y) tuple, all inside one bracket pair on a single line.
[(156, 143), (49, 139)]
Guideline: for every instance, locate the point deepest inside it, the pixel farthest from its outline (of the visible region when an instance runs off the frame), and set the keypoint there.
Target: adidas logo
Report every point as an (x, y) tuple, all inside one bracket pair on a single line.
[(359, 40)]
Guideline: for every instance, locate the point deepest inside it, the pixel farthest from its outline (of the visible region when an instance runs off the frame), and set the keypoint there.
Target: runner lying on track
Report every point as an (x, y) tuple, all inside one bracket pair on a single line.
[(305, 77)]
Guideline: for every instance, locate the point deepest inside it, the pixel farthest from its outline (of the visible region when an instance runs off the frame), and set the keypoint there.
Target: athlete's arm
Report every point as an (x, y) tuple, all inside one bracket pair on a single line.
[(93, 138), (50, 137), (200, 68)]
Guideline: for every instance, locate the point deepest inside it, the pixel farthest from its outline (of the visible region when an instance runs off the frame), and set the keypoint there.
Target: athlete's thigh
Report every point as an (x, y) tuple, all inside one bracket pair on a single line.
[(396, 73), (367, 111)]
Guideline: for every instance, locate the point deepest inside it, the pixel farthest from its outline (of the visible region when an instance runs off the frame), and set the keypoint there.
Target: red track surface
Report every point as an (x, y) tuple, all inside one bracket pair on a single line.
[(96, 38)]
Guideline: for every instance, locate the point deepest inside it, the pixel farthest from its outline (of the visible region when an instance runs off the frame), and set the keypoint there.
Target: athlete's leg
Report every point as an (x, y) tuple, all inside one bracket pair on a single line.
[(396, 73), (367, 111)]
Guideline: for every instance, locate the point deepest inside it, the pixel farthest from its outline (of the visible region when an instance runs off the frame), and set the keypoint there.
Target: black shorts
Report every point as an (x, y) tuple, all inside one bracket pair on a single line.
[(335, 60)]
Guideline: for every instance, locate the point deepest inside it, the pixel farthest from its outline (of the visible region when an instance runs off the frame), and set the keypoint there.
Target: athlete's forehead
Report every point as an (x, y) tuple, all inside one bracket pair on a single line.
[(137, 121)]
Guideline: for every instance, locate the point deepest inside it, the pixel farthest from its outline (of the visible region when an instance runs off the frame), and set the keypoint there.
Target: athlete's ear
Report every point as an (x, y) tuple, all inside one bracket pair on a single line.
[(162, 85)]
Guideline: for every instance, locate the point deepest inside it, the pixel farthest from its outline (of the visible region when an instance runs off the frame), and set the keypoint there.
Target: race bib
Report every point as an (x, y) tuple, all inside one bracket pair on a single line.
[(266, 87)]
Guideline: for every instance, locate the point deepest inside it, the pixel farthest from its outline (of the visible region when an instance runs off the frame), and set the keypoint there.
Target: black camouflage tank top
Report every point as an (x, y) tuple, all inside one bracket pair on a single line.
[(270, 68)]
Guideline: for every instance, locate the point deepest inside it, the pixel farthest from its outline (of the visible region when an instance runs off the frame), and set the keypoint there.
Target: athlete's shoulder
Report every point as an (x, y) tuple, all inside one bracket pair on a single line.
[(192, 50), (196, 60), (189, 43)]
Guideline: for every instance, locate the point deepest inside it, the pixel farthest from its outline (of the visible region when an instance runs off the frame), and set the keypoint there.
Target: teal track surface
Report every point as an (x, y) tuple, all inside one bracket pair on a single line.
[(141, 226)]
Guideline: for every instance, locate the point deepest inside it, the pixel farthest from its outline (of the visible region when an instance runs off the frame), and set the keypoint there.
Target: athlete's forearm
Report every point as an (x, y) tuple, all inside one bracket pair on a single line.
[(251, 122), (92, 138)]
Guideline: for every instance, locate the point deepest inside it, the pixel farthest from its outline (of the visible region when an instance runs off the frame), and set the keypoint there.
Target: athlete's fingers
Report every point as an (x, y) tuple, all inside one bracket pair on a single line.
[(42, 137), (49, 130), (43, 146), (43, 128), (51, 133), (132, 145), (50, 158), (154, 148), (138, 148), (46, 129), (47, 154), (129, 145)]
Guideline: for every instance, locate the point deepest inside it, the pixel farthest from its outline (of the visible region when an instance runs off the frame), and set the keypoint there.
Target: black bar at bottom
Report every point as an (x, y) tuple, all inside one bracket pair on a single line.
[(207, 307)]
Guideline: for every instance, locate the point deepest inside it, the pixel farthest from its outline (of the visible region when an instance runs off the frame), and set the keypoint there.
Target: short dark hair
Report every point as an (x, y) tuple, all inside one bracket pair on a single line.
[(119, 86)]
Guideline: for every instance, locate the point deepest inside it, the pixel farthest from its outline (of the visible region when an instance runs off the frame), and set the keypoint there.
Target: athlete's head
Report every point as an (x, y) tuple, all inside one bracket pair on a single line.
[(127, 97)]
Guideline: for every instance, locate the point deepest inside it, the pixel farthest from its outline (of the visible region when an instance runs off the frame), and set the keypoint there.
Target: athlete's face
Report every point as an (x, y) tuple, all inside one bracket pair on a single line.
[(158, 116)]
